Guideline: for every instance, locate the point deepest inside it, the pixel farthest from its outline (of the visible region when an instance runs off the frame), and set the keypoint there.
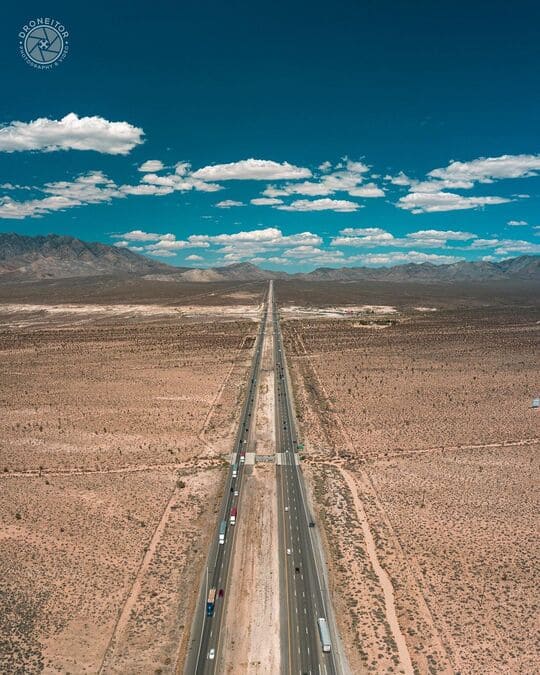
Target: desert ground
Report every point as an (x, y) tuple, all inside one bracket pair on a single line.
[(421, 451), (116, 426), (421, 454)]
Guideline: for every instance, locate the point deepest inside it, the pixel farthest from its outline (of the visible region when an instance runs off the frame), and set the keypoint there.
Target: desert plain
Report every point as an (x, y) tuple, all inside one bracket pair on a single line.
[(120, 408), (116, 421), (421, 450)]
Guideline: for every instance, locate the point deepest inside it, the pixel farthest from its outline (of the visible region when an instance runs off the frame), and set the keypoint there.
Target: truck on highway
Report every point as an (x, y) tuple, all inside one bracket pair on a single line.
[(211, 602), (234, 470), (234, 512), (242, 457), (222, 530), (324, 634)]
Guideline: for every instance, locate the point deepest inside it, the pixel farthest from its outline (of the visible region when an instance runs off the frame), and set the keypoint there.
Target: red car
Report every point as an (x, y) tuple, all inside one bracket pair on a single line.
[(220, 594)]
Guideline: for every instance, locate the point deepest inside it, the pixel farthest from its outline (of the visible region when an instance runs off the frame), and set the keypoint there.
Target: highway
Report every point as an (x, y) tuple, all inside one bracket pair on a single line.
[(206, 632), (301, 579), (303, 596)]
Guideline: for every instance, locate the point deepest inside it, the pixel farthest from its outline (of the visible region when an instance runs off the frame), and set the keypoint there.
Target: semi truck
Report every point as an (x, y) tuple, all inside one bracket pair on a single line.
[(242, 457), (234, 512), (211, 602), (324, 634), (234, 470), (222, 530)]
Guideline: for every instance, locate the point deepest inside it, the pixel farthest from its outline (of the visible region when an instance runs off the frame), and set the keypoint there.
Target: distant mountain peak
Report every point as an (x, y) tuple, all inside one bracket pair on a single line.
[(63, 256)]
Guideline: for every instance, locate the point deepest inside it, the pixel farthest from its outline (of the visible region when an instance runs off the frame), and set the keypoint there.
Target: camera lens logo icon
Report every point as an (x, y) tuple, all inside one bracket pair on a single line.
[(43, 43)]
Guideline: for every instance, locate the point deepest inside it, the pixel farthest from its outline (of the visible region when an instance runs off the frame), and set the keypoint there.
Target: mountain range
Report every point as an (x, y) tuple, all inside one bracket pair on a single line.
[(28, 258)]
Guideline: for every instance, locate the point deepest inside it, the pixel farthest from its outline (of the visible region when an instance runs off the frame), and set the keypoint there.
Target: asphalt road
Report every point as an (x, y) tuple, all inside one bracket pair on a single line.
[(303, 600), (206, 630)]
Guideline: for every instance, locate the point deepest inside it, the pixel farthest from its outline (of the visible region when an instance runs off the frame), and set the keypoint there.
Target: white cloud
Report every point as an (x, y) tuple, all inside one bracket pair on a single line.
[(169, 245), (266, 201), (429, 202), (325, 166), (489, 169), (182, 168), (251, 169), (165, 181), (437, 185), (194, 256), (71, 133), (379, 238), (505, 246), (139, 235), (9, 208), (361, 231), (266, 237), (483, 243), (345, 179), (442, 235), (369, 190), (356, 167), (401, 179), (399, 257), (156, 244), (313, 254), (152, 165), (228, 203), (374, 236), (90, 188), (517, 247), (246, 245), (180, 183), (145, 190), (326, 204), (517, 223)]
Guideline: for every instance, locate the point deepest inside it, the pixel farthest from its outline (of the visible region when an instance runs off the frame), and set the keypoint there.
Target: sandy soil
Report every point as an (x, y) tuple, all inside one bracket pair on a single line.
[(19, 315), (421, 451), (265, 436), (296, 311), (111, 469), (251, 629)]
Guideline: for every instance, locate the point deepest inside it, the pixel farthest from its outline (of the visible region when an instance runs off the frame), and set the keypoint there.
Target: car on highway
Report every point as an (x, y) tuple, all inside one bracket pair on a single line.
[(289, 551), (220, 594), (286, 508), (236, 493), (212, 654)]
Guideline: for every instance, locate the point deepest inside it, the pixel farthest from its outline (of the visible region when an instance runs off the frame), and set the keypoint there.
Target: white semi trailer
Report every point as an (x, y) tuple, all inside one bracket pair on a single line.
[(324, 634)]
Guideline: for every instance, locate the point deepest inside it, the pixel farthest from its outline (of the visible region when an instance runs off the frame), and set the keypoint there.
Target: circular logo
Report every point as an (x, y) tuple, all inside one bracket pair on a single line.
[(43, 42)]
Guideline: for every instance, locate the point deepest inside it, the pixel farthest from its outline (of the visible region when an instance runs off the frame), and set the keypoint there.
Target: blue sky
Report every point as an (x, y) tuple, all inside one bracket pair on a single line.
[(292, 134)]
